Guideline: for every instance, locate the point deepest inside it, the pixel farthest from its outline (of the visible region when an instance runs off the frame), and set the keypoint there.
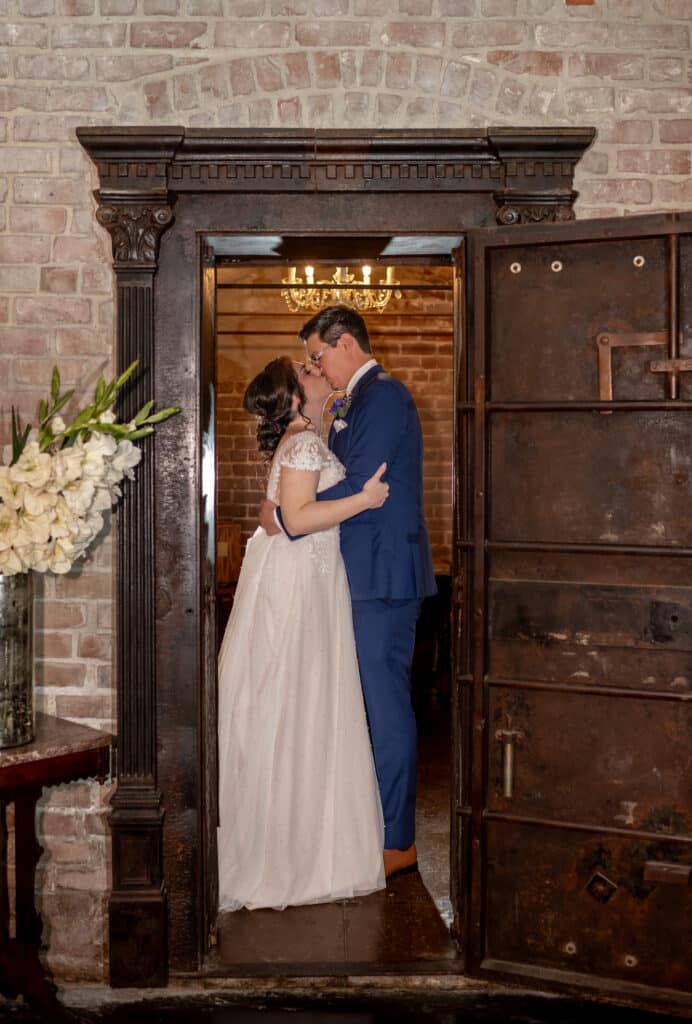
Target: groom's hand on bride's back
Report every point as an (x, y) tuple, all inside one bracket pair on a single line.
[(266, 517)]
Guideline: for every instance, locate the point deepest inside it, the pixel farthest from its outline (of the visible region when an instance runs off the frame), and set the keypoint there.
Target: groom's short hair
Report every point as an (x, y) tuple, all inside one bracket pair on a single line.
[(333, 321)]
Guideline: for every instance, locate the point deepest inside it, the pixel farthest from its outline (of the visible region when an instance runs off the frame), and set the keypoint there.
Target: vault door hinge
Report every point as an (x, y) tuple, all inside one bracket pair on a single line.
[(606, 342), (673, 366)]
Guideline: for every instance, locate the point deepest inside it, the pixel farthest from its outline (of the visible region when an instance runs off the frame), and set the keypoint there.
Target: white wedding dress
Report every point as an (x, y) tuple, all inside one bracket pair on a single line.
[(299, 809)]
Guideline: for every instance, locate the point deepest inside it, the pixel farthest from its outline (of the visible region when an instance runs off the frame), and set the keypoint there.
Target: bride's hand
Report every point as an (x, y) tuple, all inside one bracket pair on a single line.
[(375, 489)]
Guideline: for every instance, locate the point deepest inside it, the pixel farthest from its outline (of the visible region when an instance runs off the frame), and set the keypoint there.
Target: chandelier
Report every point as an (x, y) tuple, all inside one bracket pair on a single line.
[(342, 288)]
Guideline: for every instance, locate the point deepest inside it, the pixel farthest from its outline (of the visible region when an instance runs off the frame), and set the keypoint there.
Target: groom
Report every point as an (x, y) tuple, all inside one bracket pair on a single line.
[(386, 552)]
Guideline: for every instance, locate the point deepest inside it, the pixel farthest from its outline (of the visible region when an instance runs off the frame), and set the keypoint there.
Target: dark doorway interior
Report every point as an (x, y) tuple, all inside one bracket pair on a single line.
[(412, 337)]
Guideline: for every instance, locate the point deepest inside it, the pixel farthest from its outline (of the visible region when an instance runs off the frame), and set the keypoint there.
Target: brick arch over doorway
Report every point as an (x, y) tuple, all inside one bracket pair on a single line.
[(164, 194)]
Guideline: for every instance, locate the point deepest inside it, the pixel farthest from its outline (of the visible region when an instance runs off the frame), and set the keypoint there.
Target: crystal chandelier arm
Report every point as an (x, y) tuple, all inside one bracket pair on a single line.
[(338, 289)]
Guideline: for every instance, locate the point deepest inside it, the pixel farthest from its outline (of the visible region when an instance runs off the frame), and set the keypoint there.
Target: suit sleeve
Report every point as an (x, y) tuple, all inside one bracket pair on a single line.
[(377, 434)]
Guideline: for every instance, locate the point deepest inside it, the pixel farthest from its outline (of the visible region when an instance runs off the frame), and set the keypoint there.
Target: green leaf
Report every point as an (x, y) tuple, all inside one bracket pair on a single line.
[(107, 396), (82, 418), (116, 429), (126, 374), (61, 401), (100, 390), (42, 410), (16, 442), (142, 432), (55, 383), (163, 414), (45, 438), (18, 439), (144, 412)]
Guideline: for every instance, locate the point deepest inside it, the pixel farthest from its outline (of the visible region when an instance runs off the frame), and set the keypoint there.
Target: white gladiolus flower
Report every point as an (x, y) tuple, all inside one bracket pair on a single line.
[(38, 527), (19, 533), (104, 445), (95, 523), (67, 466), (102, 500), (63, 478), (126, 458), (60, 560), (10, 563), (10, 492), (9, 524), (34, 557), (79, 496), (32, 467), (37, 503), (62, 519)]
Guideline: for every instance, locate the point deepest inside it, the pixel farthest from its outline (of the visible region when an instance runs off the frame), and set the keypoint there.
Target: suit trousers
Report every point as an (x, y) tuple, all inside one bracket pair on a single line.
[(385, 634)]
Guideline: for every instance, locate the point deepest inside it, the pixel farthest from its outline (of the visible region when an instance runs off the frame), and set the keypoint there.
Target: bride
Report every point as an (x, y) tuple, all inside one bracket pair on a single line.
[(299, 808)]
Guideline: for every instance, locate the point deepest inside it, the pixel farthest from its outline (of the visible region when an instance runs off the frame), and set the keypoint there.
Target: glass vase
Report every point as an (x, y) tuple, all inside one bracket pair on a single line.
[(16, 659)]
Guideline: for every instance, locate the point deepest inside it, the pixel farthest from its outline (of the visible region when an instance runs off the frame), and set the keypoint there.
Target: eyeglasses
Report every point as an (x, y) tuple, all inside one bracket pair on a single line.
[(316, 357)]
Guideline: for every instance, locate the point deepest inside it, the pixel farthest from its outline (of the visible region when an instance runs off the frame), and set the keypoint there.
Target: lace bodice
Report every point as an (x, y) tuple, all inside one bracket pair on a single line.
[(304, 450)]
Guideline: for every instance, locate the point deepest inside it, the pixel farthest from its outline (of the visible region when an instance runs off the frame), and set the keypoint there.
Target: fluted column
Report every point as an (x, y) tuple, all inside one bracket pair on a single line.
[(138, 902)]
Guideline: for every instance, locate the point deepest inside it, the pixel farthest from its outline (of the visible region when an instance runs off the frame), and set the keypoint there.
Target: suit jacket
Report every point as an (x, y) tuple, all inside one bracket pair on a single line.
[(386, 550)]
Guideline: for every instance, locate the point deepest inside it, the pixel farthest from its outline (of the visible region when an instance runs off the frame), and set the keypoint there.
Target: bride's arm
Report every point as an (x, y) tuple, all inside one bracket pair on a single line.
[(302, 513)]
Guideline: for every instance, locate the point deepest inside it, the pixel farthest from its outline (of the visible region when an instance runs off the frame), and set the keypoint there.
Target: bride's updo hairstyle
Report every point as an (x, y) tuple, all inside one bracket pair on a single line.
[(269, 397)]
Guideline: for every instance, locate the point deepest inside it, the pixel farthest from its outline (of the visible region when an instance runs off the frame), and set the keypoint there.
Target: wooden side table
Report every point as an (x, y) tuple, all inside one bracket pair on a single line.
[(61, 752)]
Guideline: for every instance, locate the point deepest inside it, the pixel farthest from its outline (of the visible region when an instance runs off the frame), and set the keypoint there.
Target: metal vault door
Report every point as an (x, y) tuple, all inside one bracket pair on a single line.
[(574, 558)]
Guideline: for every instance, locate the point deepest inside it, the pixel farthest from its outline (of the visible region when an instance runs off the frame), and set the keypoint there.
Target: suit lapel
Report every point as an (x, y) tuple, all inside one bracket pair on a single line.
[(340, 445)]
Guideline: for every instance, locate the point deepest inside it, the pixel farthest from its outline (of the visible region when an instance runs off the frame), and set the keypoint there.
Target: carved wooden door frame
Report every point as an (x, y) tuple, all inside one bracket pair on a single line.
[(162, 192)]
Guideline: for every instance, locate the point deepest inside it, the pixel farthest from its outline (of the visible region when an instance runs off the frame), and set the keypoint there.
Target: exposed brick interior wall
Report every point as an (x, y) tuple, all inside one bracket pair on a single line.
[(620, 65), (412, 339)]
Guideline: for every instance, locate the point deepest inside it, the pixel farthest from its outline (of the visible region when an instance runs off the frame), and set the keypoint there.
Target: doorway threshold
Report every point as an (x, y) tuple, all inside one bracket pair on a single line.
[(397, 929)]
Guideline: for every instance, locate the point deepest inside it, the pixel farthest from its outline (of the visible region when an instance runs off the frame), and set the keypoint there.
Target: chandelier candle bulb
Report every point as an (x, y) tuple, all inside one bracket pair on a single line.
[(342, 287)]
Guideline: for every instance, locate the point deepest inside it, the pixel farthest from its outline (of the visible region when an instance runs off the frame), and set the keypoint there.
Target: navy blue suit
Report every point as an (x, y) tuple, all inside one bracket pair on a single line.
[(389, 566)]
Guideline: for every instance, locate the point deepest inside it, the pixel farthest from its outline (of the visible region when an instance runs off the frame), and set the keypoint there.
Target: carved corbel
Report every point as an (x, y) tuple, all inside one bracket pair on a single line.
[(135, 226), (533, 209), (538, 171)]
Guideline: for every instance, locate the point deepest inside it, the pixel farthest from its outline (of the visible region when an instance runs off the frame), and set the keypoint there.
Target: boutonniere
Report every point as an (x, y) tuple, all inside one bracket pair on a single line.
[(339, 410), (340, 406)]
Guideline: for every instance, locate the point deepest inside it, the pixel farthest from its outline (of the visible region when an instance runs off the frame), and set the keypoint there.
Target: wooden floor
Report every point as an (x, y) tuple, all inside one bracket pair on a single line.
[(399, 925)]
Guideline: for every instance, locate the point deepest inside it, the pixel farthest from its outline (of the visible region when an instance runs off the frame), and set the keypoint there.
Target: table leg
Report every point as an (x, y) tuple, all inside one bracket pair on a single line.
[(27, 855), (4, 894), (21, 971)]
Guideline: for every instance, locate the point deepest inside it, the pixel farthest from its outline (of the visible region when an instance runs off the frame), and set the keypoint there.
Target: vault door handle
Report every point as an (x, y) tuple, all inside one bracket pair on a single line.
[(508, 738), (668, 872)]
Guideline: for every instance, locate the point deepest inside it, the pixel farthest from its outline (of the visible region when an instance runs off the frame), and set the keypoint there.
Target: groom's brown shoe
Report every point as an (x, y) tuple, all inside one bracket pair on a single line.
[(400, 862)]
